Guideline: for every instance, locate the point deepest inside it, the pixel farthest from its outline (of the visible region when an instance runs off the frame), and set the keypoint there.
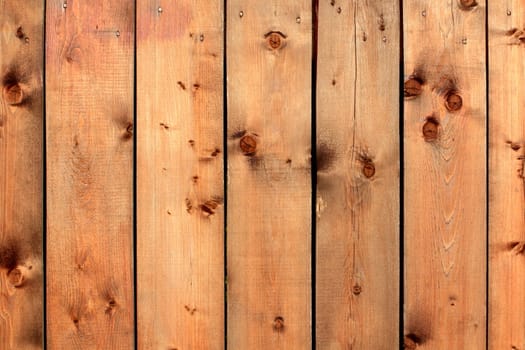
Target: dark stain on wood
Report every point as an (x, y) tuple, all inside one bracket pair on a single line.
[(238, 134), (326, 156), (412, 341), (9, 254)]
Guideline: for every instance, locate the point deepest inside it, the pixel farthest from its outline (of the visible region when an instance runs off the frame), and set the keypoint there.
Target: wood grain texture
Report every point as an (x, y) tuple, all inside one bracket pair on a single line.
[(506, 175), (21, 169), (180, 213), (358, 175), (89, 81), (269, 52), (445, 175)]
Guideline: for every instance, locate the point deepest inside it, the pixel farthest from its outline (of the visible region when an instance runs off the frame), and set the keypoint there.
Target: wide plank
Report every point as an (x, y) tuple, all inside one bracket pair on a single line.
[(89, 99), (445, 174), (269, 53), (180, 182), (358, 154), (506, 175), (21, 171)]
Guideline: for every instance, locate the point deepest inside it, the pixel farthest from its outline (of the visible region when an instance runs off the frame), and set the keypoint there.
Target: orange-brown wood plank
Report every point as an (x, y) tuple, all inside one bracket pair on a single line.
[(445, 174), (358, 175), (89, 82), (269, 53), (21, 169), (180, 209), (506, 175)]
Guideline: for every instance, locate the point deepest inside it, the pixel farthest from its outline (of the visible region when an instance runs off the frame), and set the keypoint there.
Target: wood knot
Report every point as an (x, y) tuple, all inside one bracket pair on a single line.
[(412, 88), (278, 324), (467, 4), (20, 33), (248, 145), (110, 307), (13, 94), (369, 169), (430, 129), (411, 341), (16, 277), (275, 39), (357, 289), (453, 102)]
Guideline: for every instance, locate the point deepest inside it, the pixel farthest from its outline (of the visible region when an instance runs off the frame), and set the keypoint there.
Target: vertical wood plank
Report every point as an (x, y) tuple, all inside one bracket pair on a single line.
[(89, 80), (506, 175), (358, 175), (269, 52), (180, 213), (445, 167), (21, 167)]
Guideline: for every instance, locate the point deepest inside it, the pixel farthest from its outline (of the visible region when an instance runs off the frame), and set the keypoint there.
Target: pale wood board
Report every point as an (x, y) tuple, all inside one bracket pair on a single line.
[(180, 213), (269, 191), (358, 175), (506, 175), (445, 177), (89, 82), (21, 169)]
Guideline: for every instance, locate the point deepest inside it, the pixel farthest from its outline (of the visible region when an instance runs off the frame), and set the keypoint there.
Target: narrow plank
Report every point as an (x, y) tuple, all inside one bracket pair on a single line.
[(180, 212), (358, 175), (506, 176), (21, 168), (445, 174), (269, 51), (89, 81)]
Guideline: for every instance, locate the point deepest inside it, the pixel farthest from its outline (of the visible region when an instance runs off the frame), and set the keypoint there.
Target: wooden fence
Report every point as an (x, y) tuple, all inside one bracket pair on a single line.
[(244, 174)]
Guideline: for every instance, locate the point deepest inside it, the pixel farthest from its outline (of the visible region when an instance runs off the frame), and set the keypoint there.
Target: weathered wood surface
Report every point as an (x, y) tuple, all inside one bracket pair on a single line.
[(358, 175), (269, 51), (180, 213), (506, 176), (445, 174), (89, 82), (21, 169)]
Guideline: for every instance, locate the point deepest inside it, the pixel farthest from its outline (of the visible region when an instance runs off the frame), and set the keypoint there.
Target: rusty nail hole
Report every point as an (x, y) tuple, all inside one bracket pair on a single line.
[(453, 102), (430, 129), (356, 289), (467, 4), (16, 278), (13, 94), (369, 169), (412, 88), (278, 324), (248, 145)]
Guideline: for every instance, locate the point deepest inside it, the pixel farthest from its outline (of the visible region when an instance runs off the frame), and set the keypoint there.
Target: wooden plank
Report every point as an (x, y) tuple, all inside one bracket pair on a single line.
[(445, 174), (269, 52), (180, 213), (89, 81), (21, 168), (358, 175), (506, 175)]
